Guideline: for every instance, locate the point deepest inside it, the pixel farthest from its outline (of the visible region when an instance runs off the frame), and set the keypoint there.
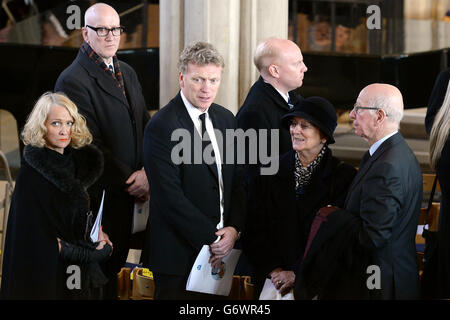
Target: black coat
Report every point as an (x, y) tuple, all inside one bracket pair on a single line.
[(263, 109), (278, 225), (436, 278), (386, 194), (436, 98), (49, 201), (184, 201), (117, 125)]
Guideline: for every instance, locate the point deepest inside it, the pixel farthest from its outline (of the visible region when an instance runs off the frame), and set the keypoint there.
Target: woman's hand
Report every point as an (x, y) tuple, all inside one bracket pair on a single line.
[(103, 238), (283, 280), (59, 245)]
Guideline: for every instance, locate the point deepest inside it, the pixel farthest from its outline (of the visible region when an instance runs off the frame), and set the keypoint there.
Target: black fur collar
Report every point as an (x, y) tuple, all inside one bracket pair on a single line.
[(88, 162)]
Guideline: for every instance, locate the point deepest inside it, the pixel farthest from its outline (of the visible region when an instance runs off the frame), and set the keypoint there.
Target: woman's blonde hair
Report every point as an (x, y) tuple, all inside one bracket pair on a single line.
[(34, 131), (440, 130)]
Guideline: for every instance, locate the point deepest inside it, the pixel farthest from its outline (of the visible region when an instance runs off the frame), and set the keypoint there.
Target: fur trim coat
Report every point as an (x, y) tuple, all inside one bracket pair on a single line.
[(50, 201)]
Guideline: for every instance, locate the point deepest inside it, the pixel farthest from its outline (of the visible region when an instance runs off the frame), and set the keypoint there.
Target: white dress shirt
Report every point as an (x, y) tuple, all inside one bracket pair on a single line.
[(194, 113), (375, 146)]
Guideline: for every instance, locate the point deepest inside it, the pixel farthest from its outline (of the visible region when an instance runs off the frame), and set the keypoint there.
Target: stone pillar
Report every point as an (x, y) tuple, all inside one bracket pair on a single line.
[(234, 27), (217, 22), (171, 43), (260, 19)]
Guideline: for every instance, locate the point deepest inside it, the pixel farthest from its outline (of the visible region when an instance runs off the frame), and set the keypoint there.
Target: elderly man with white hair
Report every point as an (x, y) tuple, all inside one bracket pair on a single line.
[(371, 241)]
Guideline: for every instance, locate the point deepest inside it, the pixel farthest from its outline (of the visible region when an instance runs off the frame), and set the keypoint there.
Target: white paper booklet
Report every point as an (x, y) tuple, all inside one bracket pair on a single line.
[(98, 221), (269, 292), (206, 280), (140, 216)]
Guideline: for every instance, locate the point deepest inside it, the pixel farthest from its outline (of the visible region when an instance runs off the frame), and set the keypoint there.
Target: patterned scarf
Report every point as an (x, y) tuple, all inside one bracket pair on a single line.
[(303, 174), (118, 77)]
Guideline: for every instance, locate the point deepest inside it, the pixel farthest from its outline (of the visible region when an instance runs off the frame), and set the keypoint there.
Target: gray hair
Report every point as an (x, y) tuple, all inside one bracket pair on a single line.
[(384, 102), (199, 53)]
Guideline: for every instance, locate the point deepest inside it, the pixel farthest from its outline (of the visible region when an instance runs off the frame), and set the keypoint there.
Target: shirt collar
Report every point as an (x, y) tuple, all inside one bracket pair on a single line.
[(284, 95), (375, 146), (194, 112)]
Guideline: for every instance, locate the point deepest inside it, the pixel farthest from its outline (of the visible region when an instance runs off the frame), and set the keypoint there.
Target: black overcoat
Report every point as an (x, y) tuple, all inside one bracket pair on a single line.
[(48, 202), (117, 125), (263, 108), (278, 225)]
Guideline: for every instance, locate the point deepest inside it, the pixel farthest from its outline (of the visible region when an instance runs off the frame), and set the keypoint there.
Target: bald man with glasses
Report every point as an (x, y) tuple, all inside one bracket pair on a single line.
[(108, 93), (370, 243)]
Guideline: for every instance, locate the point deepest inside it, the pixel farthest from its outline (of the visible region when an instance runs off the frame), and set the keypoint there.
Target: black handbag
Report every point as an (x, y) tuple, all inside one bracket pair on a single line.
[(429, 275)]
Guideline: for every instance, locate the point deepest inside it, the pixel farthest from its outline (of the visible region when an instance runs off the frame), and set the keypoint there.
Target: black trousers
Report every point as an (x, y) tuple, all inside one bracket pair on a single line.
[(173, 287)]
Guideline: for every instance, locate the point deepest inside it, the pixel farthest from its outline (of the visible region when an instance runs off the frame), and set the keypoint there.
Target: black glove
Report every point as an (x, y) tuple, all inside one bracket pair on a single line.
[(74, 253)]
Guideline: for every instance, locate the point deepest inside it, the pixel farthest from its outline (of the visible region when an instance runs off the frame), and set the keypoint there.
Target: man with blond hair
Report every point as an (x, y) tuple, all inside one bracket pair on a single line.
[(108, 93), (193, 203)]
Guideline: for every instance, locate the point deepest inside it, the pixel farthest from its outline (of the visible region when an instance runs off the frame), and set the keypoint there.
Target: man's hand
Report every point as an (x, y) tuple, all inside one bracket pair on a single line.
[(139, 187), (222, 248)]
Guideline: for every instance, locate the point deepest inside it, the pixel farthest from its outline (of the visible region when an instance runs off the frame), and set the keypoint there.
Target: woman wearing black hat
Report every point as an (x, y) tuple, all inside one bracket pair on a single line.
[(282, 206)]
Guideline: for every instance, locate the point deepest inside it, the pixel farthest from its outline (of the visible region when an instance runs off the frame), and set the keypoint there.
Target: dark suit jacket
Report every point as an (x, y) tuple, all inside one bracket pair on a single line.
[(278, 225), (184, 201), (386, 194), (263, 109), (117, 125)]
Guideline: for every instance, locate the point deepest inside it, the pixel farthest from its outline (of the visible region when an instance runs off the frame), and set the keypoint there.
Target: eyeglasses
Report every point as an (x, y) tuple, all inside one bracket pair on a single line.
[(357, 109), (303, 125), (103, 32)]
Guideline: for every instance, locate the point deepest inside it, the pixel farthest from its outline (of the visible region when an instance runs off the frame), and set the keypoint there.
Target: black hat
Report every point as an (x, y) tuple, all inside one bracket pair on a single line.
[(319, 111)]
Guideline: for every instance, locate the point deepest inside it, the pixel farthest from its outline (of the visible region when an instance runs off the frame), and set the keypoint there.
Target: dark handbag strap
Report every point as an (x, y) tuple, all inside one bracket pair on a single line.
[(430, 200), (426, 232)]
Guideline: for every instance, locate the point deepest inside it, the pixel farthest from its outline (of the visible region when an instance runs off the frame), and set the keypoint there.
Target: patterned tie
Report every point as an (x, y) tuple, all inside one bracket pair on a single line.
[(111, 68)]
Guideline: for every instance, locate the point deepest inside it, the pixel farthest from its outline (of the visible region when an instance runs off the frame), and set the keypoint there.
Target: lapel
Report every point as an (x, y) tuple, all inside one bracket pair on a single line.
[(275, 95), (386, 145), (104, 80), (285, 181), (320, 182), (217, 125), (185, 121)]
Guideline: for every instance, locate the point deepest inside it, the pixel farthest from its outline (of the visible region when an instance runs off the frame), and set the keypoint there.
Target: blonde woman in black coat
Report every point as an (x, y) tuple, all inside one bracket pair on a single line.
[(48, 251), (436, 278), (282, 206)]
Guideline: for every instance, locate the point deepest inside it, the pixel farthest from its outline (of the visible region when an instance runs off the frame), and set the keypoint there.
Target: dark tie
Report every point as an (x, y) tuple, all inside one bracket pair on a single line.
[(364, 159), (206, 141), (290, 104), (111, 68)]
